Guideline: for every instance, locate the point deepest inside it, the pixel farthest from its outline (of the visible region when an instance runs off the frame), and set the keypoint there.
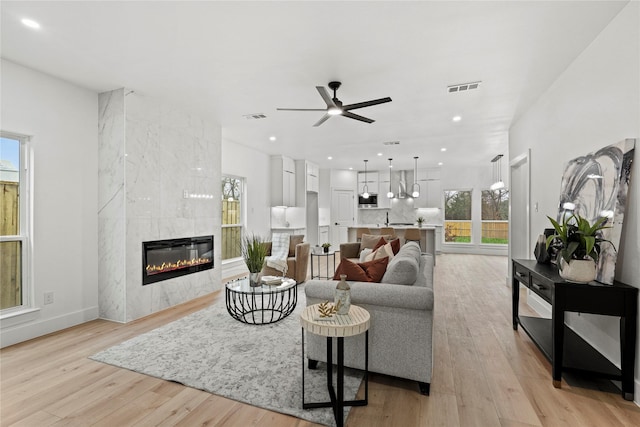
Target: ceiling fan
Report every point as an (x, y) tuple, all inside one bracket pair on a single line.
[(335, 107)]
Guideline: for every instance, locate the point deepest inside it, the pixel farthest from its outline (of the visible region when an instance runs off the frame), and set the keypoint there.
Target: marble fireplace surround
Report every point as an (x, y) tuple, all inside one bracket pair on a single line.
[(150, 156)]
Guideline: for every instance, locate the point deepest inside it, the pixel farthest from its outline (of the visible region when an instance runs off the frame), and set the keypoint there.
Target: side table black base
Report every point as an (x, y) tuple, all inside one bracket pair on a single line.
[(336, 394)]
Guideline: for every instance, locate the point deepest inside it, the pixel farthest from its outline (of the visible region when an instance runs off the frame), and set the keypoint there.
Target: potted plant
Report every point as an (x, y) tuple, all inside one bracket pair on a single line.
[(326, 246), (420, 220), (578, 247), (254, 252)]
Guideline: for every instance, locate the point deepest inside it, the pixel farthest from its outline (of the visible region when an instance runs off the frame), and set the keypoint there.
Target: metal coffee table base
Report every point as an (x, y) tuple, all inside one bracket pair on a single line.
[(261, 308)]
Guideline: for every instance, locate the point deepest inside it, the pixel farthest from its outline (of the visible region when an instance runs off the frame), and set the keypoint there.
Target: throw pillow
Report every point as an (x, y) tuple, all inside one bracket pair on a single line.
[(368, 241), (364, 254), (380, 243), (395, 244), (293, 241), (371, 271), (381, 252)]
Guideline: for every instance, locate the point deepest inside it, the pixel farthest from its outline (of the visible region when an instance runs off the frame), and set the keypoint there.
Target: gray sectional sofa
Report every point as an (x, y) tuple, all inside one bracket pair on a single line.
[(401, 309)]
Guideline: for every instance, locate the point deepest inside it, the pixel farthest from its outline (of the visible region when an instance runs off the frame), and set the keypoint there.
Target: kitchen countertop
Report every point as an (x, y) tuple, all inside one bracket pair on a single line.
[(376, 226)]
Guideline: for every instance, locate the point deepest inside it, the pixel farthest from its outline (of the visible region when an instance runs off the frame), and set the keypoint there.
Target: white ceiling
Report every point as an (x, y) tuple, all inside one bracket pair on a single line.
[(226, 59)]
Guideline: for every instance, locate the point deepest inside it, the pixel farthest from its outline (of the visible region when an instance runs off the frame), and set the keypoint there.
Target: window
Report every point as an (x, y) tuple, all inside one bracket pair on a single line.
[(457, 216), (13, 228), (495, 217), (232, 217)]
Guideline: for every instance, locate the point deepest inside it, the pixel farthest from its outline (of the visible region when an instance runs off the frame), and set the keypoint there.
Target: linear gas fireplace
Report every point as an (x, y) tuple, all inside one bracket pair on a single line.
[(166, 259)]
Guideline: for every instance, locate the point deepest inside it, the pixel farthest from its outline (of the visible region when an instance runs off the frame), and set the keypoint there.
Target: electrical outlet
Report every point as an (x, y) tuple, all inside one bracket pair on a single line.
[(48, 298)]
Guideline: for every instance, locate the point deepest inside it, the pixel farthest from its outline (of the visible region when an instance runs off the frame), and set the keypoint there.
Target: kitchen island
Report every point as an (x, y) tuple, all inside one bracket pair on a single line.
[(427, 235)]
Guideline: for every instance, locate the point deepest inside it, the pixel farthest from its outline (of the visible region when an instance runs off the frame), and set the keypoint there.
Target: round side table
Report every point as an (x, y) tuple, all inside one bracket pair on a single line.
[(339, 326)]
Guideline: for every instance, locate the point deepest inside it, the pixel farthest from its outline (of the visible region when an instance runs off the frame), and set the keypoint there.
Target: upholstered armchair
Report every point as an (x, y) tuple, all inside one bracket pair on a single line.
[(297, 262)]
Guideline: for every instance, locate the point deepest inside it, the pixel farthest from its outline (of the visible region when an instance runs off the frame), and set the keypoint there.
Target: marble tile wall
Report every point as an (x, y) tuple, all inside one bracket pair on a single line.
[(168, 152)]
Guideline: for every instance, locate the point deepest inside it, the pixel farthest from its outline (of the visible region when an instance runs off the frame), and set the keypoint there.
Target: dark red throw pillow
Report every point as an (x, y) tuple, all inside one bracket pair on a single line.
[(395, 245), (371, 271), (380, 243)]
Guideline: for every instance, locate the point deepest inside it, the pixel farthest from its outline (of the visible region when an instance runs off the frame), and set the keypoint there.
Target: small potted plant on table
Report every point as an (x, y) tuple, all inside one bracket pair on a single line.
[(420, 220), (579, 247), (254, 252), (325, 247)]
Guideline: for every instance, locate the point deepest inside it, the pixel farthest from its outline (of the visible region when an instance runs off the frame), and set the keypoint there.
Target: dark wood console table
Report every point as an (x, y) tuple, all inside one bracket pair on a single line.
[(561, 345)]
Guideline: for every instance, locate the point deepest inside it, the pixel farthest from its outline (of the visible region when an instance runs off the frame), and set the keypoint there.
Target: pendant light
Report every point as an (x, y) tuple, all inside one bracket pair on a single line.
[(390, 193), (498, 184), (415, 189), (365, 188)]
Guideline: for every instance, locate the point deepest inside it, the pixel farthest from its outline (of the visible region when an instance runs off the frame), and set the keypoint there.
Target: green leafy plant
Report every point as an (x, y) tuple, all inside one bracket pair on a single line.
[(577, 238), (420, 220), (326, 245), (254, 251)]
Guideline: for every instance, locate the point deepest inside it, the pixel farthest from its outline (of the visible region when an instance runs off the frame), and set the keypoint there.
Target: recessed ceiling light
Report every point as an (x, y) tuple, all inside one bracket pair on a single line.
[(272, 138), (350, 169), (440, 163), (456, 118), (30, 23), (443, 149), (379, 154), (329, 158)]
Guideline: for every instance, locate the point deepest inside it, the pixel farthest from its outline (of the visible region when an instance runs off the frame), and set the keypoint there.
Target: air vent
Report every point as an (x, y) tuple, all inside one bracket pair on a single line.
[(463, 87), (254, 116), (391, 143)]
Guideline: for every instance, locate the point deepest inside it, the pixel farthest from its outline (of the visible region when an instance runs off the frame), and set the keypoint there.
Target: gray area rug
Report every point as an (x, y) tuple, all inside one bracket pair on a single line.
[(257, 364)]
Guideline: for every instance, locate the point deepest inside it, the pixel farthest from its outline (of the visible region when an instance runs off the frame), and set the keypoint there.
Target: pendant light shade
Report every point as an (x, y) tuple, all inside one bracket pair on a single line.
[(415, 189), (390, 193), (365, 188), (498, 184)]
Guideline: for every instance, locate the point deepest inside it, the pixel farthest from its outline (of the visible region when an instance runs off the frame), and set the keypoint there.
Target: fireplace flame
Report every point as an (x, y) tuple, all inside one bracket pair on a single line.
[(168, 266)]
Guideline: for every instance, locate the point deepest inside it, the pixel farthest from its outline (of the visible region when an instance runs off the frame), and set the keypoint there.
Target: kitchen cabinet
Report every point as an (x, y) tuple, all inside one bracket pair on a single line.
[(283, 181), (371, 182), (430, 189), (312, 177), (384, 179)]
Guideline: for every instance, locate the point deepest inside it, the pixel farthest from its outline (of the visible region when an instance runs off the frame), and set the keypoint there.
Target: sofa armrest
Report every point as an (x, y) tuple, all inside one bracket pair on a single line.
[(380, 294), (350, 250), (302, 261)]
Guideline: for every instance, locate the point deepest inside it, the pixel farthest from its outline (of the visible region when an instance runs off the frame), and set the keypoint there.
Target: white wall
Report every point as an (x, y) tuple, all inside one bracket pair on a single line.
[(62, 120), (594, 103)]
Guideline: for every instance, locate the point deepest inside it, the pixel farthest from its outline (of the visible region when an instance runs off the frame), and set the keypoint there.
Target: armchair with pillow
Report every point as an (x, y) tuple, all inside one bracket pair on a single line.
[(297, 262)]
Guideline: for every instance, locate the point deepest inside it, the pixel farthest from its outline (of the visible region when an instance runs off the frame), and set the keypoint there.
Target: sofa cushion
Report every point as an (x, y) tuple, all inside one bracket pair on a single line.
[(293, 241), (403, 269), (371, 271), (395, 244)]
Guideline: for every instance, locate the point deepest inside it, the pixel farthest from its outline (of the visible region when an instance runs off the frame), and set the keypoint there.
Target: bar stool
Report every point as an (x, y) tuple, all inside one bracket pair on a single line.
[(360, 231), (387, 231), (412, 234)]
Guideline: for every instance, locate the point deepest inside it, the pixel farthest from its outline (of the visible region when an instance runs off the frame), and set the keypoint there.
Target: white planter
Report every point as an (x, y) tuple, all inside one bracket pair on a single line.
[(578, 270)]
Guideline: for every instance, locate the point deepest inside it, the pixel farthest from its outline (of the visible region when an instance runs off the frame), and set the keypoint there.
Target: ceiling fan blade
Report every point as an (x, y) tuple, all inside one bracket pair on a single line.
[(357, 117), (322, 120), (301, 109), (366, 104), (325, 96)]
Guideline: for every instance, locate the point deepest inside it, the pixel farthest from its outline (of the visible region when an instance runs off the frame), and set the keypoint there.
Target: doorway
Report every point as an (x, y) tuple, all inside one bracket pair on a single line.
[(342, 215)]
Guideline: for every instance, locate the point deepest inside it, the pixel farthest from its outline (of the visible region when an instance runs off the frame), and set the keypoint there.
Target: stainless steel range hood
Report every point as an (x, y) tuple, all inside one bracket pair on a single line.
[(402, 186)]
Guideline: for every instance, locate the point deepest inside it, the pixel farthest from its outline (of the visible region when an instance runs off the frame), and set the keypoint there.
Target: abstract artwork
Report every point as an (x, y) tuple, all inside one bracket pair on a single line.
[(595, 186)]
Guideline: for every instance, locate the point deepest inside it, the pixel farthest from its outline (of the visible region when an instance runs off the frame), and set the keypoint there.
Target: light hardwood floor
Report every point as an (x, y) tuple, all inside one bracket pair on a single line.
[(485, 374)]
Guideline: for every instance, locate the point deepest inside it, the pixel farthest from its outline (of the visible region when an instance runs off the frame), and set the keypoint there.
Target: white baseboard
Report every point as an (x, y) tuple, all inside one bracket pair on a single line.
[(26, 331)]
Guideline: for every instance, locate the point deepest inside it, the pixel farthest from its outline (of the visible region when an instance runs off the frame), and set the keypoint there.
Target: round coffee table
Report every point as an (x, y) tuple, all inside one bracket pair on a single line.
[(260, 305)]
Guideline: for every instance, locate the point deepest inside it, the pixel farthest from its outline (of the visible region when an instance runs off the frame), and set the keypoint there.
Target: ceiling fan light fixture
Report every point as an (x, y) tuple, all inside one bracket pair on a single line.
[(334, 111)]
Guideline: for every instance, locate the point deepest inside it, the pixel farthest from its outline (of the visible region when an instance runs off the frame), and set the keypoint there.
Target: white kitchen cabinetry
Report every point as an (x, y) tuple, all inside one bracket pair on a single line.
[(371, 182), (312, 177), (384, 179), (430, 188), (283, 181)]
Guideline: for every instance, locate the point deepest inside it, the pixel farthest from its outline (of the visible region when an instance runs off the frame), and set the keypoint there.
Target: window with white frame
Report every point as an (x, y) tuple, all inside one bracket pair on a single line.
[(14, 291), (457, 216), (232, 216), (495, 217)]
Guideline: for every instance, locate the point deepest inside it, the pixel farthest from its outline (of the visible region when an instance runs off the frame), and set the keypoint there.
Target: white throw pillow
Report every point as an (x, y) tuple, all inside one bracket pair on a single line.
[(381, 252)]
